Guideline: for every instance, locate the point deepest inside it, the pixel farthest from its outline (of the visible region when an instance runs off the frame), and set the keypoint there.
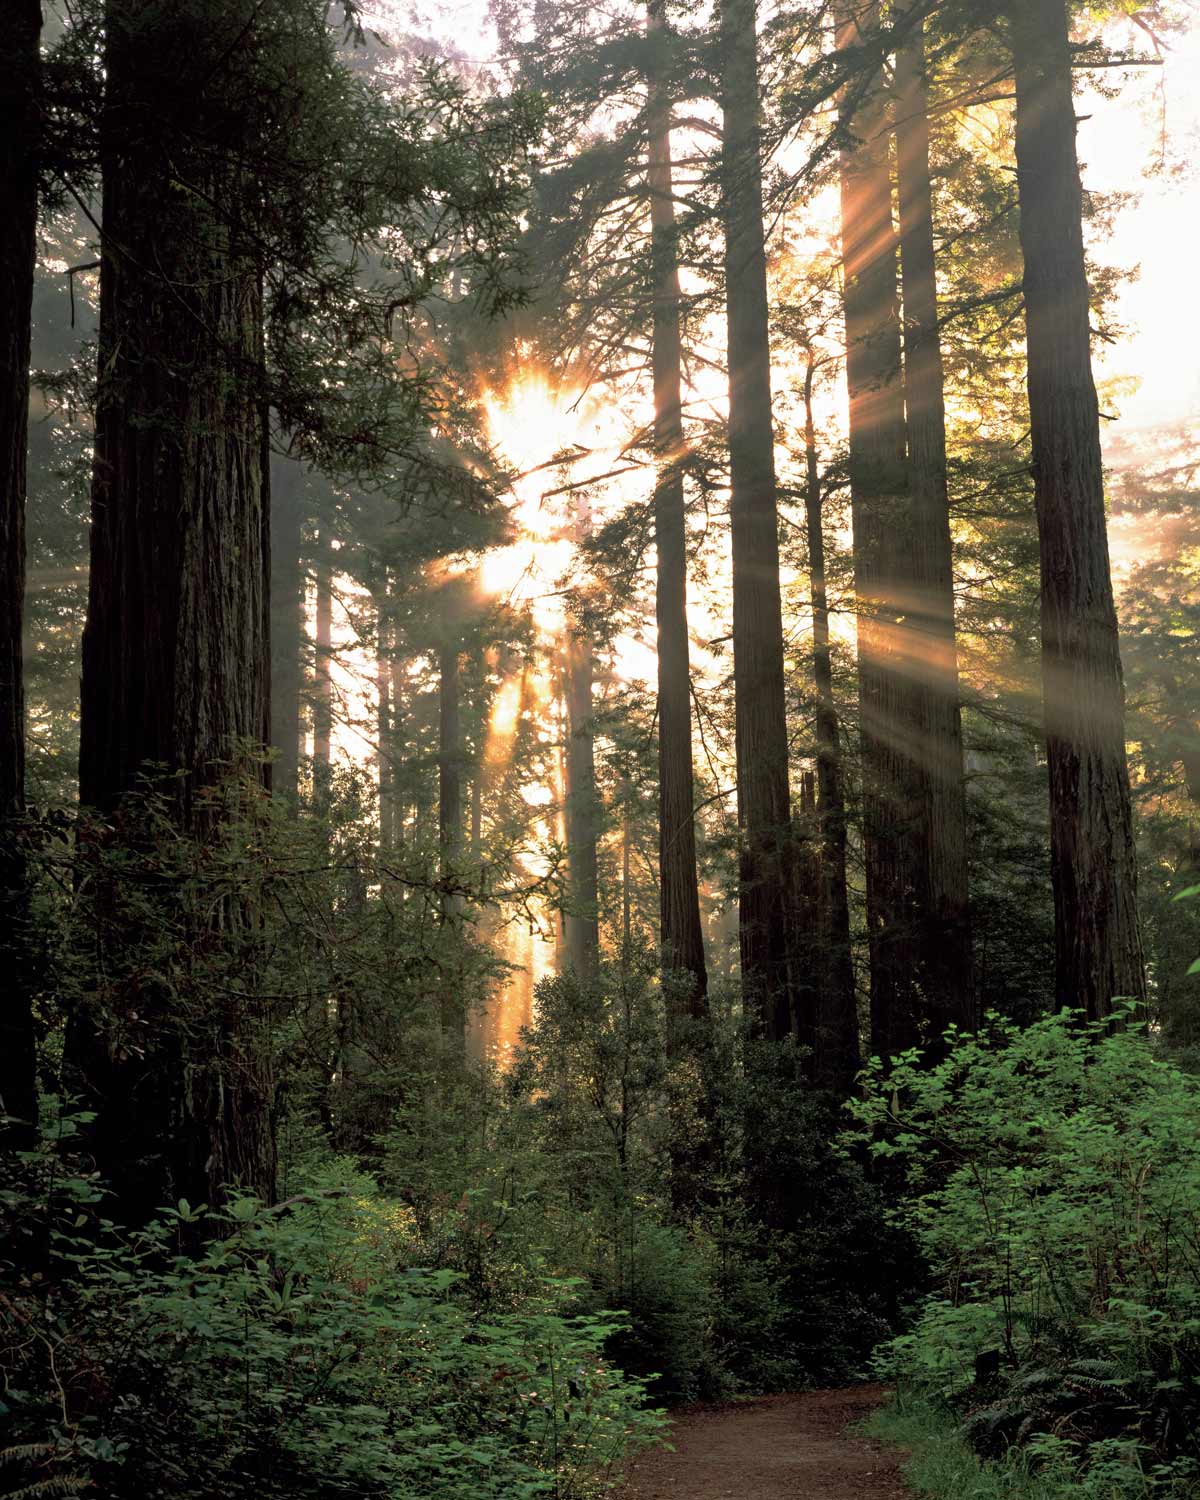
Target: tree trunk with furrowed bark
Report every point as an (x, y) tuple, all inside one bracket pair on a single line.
[(880, 505), (450, 811), (836, 1058), (581, 925), (19, 105), (767, 918), (946, 969), (287, 622), (1098, 955), (681, 935), (322, 689), (175, 649)]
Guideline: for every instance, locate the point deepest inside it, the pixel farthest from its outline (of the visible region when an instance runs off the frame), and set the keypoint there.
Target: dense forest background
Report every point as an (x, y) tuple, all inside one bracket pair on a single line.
[(599, 736)]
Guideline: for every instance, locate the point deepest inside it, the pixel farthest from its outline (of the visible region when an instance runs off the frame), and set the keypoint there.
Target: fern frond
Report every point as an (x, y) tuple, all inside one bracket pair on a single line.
[(59, 1484)]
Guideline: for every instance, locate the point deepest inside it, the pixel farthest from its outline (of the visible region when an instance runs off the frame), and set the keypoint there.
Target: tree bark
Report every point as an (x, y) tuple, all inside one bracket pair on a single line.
[(681, 934), (175, 648), (287, 621), (450, 805), (384, 650), (836, 1056), (322, 706), (626, 874), (879, 495), (20, 79), (450, 818), (581, 926), (766, 920), (1098, 955), (946, 974)]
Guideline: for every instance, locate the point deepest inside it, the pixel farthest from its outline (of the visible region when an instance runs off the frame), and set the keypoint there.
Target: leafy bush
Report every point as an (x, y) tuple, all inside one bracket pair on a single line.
[(1054, 1178), (941, 1464), (302, 1353), (658, 1277), (839, 1269)]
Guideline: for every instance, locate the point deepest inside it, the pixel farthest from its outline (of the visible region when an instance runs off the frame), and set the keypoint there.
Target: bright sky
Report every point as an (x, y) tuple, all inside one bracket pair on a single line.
[(1151, 378), (1160, 232), (1143, 143), (1119, 148)]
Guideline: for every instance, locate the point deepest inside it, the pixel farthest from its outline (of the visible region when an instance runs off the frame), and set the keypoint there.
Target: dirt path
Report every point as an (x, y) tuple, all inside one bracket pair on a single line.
[(776, 1448)]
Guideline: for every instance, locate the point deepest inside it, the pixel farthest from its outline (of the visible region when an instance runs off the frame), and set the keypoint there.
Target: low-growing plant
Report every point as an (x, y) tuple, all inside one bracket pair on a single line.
[(1053, 1178), (303, 1351), (940, 1463)]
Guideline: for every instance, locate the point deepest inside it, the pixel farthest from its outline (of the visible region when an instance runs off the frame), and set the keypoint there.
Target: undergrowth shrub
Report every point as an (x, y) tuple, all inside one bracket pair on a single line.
[(1054, 1186), (305, 1351), (773, 1267), (839, 1268), (656, 1274), (940, 1464), (558, 1168)]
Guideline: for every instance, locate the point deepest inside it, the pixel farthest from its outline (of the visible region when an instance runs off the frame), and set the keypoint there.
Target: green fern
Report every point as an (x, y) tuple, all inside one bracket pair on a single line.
[(59, 1484), (55, 1484)]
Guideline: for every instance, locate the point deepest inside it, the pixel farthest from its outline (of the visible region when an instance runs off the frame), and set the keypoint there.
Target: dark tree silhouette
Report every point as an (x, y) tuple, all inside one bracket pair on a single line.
[(1098, 953), (946, 972), (20, 67), (175, 655), (681, 936), (767, 918)]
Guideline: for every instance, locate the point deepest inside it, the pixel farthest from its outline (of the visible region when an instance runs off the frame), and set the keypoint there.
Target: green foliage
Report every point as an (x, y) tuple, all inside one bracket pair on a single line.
[(943, 1466), (741, 1250), (840, 1270), (1053, 1178), (305, 1350), (560, 1167)]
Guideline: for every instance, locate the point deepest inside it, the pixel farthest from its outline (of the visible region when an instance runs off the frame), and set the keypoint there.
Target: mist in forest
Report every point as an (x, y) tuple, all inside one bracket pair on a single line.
[(599, 748)]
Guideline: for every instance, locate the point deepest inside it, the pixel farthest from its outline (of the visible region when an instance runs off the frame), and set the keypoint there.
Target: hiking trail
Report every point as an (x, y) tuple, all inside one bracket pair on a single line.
[(793, 1447)]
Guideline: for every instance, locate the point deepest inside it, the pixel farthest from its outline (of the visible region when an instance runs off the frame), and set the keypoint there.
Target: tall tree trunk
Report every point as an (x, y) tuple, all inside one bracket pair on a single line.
[(20, 77), (562, 784), (397, 685), (681, 933), (764, 808), (836, 1050), (384, 650), (322, 707), (477, 787), (626, 873), (892, 790), (946, 970), (1098, 954), (450, 818), (287, 621), (450, 805), (581, 926), (175, 649)]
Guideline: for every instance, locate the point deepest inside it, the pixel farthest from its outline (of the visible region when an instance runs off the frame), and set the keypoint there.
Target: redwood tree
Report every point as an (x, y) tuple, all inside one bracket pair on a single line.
[(322, 690), (19, 106), (836, 1055), (681, 933), (287, 621), (946, 970), (879, 505), (175, 655), (581, 925), (1098, 953), (766, 916)]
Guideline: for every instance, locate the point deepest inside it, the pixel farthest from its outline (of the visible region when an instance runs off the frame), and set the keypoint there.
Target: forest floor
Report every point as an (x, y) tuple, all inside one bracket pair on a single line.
[(774, 1448)]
